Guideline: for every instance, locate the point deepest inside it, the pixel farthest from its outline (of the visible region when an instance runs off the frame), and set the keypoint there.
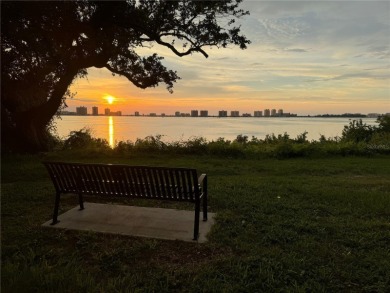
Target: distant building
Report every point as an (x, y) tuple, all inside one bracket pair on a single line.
[(136, 113), (108, 112), (162, 114), (273, 112), (177, 114), (267, 113), (95, 111), (153, 114), (246, 115), (234, 113), (204, 113), (222, 113), (280, 112), (258, 113), (81, 110), (194, 113), (373, 115)]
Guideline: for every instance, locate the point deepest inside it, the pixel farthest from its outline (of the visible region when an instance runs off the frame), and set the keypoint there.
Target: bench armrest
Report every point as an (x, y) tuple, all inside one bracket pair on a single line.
[(202, 178)]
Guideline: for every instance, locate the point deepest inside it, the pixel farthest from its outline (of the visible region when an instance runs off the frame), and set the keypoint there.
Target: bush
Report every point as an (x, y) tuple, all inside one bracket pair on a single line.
[(82, 139), (357, 131), (284, 150), (384, 123), (150, 143)]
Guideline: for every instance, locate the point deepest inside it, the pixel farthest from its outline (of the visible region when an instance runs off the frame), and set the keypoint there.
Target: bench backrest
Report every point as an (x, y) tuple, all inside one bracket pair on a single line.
[(122, 180)]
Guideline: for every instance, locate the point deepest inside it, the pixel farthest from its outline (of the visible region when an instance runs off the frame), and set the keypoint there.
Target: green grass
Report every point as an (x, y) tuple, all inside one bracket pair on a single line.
[(296, 225)]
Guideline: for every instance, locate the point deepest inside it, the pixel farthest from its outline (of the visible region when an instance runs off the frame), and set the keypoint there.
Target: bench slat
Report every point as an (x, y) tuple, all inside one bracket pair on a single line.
[(100, 183), (129, 180)]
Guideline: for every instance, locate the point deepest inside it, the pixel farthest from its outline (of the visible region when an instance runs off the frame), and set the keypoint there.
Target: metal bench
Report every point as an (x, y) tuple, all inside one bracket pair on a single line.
[(109, 180)]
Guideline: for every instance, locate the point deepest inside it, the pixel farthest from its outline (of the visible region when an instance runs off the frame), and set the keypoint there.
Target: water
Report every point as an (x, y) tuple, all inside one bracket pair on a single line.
[(122, 128)]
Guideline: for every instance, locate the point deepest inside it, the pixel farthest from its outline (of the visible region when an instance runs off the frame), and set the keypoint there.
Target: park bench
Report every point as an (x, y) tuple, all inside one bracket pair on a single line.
[(111, 180)]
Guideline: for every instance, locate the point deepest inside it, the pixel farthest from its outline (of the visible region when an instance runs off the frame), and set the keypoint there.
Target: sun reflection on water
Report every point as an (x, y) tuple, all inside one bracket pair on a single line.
[(111, 131)]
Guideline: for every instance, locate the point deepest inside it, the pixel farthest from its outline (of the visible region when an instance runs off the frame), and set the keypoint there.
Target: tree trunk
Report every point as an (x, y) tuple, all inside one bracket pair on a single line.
[(27, 131)]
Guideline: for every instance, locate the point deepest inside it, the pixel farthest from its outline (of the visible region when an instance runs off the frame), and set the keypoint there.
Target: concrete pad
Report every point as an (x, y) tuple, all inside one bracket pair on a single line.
[(158, 223)]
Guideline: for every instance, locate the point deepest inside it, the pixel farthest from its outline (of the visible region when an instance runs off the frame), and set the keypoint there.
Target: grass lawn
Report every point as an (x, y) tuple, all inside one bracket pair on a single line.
[(296, 225)]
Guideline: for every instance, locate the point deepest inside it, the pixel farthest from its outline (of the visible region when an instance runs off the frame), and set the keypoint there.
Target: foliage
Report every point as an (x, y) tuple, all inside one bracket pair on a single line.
[(357, 131), (46, 45), (384, 123), (83, 140)]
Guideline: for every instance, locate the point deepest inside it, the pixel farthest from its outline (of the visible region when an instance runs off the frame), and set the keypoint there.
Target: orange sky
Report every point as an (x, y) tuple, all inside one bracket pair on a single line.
[(309, 58)]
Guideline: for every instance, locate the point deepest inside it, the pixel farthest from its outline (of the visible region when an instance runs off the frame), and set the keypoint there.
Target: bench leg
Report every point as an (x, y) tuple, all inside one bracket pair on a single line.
[(204, 187), (196, 224), (56, 206), (205, 206), (81, 201)]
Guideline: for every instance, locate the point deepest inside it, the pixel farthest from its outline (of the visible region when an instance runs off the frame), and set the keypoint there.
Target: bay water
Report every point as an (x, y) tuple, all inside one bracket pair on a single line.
[(123, 128)]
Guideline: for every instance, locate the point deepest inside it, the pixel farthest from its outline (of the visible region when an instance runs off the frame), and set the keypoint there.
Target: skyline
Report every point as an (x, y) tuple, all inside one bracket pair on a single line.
[(309, 57), (271, 112)]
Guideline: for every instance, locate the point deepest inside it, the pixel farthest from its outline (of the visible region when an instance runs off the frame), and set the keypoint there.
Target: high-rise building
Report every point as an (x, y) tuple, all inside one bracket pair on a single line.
[(107, 111), (136, 113), (280, 112), (177, 114), (234, 113), (204, 113), (194, 113), (95, 111), (267, 113), (81, 110), (222, 113), (273, 112), (258, 113)]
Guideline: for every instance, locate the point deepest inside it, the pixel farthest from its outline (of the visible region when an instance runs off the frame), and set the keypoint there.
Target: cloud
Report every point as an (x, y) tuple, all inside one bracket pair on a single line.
[(358, 75), (296, 50)]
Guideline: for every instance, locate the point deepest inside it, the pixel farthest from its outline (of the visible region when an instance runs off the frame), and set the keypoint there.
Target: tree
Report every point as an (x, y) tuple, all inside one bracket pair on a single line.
[(46, 45)]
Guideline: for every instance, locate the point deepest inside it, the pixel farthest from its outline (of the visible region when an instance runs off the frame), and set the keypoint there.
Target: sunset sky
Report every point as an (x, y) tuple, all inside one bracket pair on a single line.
[(306, 57)]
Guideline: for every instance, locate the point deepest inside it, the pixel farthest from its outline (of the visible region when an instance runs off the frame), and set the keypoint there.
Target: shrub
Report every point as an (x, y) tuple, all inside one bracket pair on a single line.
[(241, 139), (284, 150), (150, 143), (82, 139), (357, 131), (124, 147), (226, 148), (302, 138), (195, 145), (384, 123)]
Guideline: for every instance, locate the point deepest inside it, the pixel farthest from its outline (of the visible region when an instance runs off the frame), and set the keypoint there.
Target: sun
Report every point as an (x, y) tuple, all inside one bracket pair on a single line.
[(110, 99)]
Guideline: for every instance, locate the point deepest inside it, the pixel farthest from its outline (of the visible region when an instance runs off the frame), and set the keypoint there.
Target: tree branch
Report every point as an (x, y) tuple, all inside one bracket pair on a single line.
[(181, 54)]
